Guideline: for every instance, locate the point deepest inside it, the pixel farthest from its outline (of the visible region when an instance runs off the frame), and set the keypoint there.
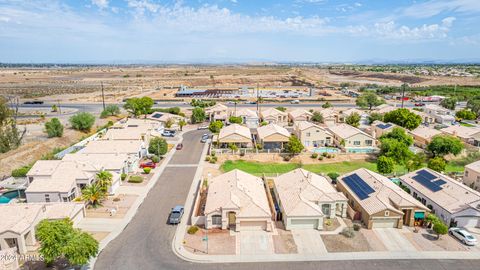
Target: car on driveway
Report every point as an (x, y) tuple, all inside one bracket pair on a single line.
[(202, 127), (149, 164), (176, 215), (463, 235), (168, 133), (179, 146)]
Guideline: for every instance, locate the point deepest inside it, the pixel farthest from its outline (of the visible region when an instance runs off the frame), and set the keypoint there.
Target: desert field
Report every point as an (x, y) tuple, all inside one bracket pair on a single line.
[(84, 84)]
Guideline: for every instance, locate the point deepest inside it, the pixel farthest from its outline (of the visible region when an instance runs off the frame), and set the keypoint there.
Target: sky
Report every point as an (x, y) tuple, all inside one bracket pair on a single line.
[(202, 31)]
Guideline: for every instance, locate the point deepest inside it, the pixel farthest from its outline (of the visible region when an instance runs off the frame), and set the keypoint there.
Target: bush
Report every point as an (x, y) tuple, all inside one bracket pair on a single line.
[(325, 154), (147, 170), (135, 179), (357, 227), (328, 222), (192, 230), (348, 232), (116, 199), (123, 176), (287, 158), (242, 154), (314, 155), (207, 158), (54, 128), (22, 171), (333, 175), (82, 121), (155, 159), (320, 158), (110, 110), (158, 146)]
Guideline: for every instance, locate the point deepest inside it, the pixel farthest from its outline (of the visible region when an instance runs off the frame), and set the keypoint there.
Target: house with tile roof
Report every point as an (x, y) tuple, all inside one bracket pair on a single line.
[(453, 202), (272, 136), (237, 201), (312, 135), (423, 135), (299, 115), (471, 175), (217, 112), (274, 116), (235, 134), (352, 140), (249, 118), (466, 134), (305, 199), (378, 202)]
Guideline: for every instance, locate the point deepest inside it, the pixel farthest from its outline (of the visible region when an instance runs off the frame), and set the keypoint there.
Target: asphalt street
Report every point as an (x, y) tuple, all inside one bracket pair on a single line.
[(146, 243)]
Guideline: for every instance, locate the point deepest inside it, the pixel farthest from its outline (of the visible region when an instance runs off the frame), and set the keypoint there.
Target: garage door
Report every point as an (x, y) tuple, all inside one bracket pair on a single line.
[(303, 223), (384, 223), (468, 222), (253, 225)]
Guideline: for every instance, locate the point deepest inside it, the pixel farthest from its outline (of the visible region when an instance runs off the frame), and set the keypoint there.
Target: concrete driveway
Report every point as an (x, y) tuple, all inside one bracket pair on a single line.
[(394, 240), (309, 241), (254, 242)]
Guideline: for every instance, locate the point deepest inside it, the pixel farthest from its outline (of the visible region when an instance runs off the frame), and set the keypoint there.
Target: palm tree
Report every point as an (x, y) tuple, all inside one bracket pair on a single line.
[(182, 123), (104, 180), (93, 195)]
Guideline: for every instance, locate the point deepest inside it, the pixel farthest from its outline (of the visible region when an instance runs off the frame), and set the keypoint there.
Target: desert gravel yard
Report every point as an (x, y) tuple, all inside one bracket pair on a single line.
[(121, 203), (219, 242), (284, 243)]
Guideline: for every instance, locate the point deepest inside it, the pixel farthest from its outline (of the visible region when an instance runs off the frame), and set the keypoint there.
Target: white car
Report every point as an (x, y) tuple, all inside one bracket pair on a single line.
[(202, 127), (463, 235)]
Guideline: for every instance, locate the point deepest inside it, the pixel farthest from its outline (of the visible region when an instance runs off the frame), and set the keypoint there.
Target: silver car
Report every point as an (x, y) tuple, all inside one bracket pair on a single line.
[(463, 235)]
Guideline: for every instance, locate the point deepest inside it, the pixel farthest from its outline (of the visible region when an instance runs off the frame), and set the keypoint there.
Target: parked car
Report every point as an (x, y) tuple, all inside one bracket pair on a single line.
[(419, 104), (179, 146), (204, 138), (463, 235), (149, 164), (202, 127), (295, 101), (168, 133), (176, 215)]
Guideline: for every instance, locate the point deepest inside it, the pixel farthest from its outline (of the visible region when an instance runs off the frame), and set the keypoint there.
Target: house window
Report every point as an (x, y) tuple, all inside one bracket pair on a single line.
[(356, 142), (466, 173), (368, 142), (414, 195), (47, 198), (307, 134), (326, 209), (217, 219), (387, 213)]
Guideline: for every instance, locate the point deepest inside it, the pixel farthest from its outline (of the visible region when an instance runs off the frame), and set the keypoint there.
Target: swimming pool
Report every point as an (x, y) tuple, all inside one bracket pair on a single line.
[(325, 150), (8, 196)]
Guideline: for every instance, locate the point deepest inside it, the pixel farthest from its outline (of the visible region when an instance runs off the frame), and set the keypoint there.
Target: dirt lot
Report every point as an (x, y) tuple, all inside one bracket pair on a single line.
[(340, 243), (84, 84), (220, 242), (122, 205)]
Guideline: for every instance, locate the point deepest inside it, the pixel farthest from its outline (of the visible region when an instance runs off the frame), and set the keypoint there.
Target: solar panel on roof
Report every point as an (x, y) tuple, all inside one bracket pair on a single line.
[(384, 126), (358, 186), (440, 182), (427, 182), (426, 175), (157, 115)]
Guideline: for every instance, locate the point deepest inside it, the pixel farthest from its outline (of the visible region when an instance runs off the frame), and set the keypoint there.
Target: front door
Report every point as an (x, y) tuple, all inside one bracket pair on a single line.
[(231, 219)]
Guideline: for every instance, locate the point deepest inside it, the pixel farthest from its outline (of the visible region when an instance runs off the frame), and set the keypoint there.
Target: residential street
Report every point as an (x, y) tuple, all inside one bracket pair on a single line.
[(146, 243)]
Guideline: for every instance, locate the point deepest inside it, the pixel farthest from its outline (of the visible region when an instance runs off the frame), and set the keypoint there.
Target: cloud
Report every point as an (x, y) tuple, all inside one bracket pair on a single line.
[(435, 7), (102, 4), (391, 30), (140, 6)]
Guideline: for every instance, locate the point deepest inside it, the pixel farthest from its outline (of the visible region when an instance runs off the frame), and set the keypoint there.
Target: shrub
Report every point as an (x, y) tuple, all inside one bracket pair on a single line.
[(147, 170), (287, 158), (192, 230), (110, 110), (314, 155), (54, 128), (82, 121), (123, 176), (258, 146), (328, 222), (135, 179), (22, 171), (242, 154), (320, 158), (357, 227), (116, 199), (207, 158), (158, 146), (213, 154), (348, 232), (325, 154), (155, 159), (333, 175)]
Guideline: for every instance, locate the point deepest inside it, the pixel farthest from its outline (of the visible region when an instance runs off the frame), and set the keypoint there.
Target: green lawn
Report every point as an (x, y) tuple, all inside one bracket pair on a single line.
[(257, 168), (466, 124)]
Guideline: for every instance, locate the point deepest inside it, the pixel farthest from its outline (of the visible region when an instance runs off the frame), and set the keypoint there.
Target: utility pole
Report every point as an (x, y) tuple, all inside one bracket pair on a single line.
[(103, 97), (403, 93), (258, 100)]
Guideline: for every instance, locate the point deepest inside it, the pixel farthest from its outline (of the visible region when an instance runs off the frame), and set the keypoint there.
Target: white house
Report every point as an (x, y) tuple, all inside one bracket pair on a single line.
[(441, 115), (453, 202), (352, 140), (312, 135)]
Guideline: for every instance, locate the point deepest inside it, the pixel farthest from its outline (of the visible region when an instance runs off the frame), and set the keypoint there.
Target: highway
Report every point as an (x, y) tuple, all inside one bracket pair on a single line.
[(146, 243)]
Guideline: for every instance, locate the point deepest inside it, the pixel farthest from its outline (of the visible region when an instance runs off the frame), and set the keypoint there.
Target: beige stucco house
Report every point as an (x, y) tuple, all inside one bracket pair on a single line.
[(299, 115), (237, 201), (471, 176), (352, 140), (423, 135), (235, 134), (305, 199), (272, 136), (249, 118), (330, 116), (274, 116), (312, 135), (466, 134), (18, 221), (379, 128), (217, 112), (378, 202)]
